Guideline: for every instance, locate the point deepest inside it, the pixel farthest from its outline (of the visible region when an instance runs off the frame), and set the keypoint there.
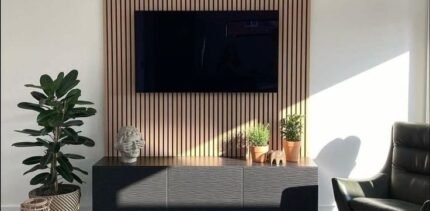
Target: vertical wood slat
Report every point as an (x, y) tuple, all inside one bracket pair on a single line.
[(108, 29), (114, 74), (203, 124)]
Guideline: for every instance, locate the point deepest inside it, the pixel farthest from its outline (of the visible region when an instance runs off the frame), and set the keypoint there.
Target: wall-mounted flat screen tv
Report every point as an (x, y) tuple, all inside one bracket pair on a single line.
[(206, 51)]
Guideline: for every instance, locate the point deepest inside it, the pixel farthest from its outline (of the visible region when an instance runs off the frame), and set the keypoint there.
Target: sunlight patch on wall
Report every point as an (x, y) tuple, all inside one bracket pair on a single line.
[(365, 106), (225, 142)]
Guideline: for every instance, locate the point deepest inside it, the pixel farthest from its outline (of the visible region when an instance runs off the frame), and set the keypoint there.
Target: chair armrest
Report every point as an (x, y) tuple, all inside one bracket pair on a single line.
[(426, 206), (346, 189)]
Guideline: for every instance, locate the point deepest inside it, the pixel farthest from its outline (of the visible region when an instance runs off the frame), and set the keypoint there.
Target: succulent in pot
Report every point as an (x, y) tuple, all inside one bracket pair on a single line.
[(291, 130), (258, 137), (59, 111)]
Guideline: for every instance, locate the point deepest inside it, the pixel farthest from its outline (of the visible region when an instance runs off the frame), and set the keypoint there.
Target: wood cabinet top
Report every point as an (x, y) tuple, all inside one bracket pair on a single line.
[(197, 161)]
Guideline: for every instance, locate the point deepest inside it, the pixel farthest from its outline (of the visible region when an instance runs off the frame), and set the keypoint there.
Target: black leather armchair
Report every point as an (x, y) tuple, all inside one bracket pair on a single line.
[(404, 182)]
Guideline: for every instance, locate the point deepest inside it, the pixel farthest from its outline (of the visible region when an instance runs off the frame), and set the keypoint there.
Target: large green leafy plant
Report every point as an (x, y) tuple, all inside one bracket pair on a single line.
[(58, 108), (291, 128)]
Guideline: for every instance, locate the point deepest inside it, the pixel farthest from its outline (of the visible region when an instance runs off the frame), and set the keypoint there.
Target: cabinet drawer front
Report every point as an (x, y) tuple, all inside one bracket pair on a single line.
[(205, 187)]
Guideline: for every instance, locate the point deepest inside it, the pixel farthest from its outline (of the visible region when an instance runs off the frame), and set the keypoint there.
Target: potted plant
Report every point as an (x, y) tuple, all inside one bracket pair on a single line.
[(58, 107), (291, 130), (258, 138)]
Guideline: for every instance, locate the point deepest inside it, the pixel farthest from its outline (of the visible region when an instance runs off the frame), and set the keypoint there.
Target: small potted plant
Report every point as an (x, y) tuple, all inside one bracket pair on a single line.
[(58, 107), (291, 130), (258, 138)]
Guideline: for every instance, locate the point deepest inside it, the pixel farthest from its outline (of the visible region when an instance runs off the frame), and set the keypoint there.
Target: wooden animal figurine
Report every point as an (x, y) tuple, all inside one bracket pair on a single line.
[(277, 156)]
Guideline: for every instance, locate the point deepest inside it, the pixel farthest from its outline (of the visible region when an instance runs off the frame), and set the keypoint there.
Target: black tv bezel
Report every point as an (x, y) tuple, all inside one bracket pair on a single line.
[(137, 72)]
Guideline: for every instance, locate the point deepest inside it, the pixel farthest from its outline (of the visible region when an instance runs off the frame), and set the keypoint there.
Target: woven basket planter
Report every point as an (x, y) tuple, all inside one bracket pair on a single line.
[(68, 201), (36, 204)]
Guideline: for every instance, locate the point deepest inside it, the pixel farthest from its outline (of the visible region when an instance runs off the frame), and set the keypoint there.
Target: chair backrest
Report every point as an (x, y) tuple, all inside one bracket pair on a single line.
[(410, 164)]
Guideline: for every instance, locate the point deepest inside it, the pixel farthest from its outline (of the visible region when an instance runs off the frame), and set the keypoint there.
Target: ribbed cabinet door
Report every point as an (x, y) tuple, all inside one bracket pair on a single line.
[(205, 187), (263, 186)]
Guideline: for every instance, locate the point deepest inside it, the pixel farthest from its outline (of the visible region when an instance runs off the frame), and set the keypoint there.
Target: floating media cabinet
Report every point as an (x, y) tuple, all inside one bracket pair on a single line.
[(197, 183)]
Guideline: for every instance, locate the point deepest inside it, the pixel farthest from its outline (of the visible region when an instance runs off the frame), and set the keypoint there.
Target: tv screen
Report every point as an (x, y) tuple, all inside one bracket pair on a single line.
[(206, 51)]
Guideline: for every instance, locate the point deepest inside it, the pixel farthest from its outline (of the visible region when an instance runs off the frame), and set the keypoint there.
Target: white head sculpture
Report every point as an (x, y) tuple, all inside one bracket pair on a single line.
[(129, 144)]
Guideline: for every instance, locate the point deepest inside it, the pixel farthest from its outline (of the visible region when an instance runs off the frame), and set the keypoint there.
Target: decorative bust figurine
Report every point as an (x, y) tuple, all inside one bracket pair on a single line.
[(129, 144)]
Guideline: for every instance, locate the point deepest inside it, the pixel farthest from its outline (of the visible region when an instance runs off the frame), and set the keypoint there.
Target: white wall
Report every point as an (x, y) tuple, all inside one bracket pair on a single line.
[(428, 67), (47, 36), (367, 70)]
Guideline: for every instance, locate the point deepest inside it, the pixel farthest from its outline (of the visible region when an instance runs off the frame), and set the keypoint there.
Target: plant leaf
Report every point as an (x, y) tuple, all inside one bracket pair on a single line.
[(65, 163), (27, 144), (71, 133), (33, 86), (80, 170), (53, 103), (74, 93), (50, 180), (77, 178), (39, 179), (56, 120), (38, 96), (49, 118), (44, 117), (63, 90), (73, 123), (44, 143), (71, 76), (64, 173), (47, 85), (32, 132), (46, 159), (67, 83), (74, 156), (46, 130), (83, 102), (86, 141), (58, 81), (54, 147), (32, 160), (36, 167), (81, 112), (71, 142), (71, 99), (31, 106)]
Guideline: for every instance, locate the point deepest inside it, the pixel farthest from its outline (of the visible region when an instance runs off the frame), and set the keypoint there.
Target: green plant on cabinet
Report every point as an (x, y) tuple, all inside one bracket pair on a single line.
[(291, 128), (259, 135)]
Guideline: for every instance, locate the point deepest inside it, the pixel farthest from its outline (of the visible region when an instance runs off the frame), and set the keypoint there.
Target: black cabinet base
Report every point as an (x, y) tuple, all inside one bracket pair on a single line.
[(196, 184)]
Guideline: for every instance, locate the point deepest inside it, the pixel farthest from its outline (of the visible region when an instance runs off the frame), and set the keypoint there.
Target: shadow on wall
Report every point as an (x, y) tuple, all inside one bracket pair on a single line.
[(234, 146), (336, 159)]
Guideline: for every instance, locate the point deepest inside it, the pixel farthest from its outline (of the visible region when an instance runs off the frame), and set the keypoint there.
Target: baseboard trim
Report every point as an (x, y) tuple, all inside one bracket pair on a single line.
[(9, 207)]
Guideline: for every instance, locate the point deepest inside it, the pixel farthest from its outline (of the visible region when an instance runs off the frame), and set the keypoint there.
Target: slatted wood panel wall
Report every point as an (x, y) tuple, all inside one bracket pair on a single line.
[(203, 124)]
